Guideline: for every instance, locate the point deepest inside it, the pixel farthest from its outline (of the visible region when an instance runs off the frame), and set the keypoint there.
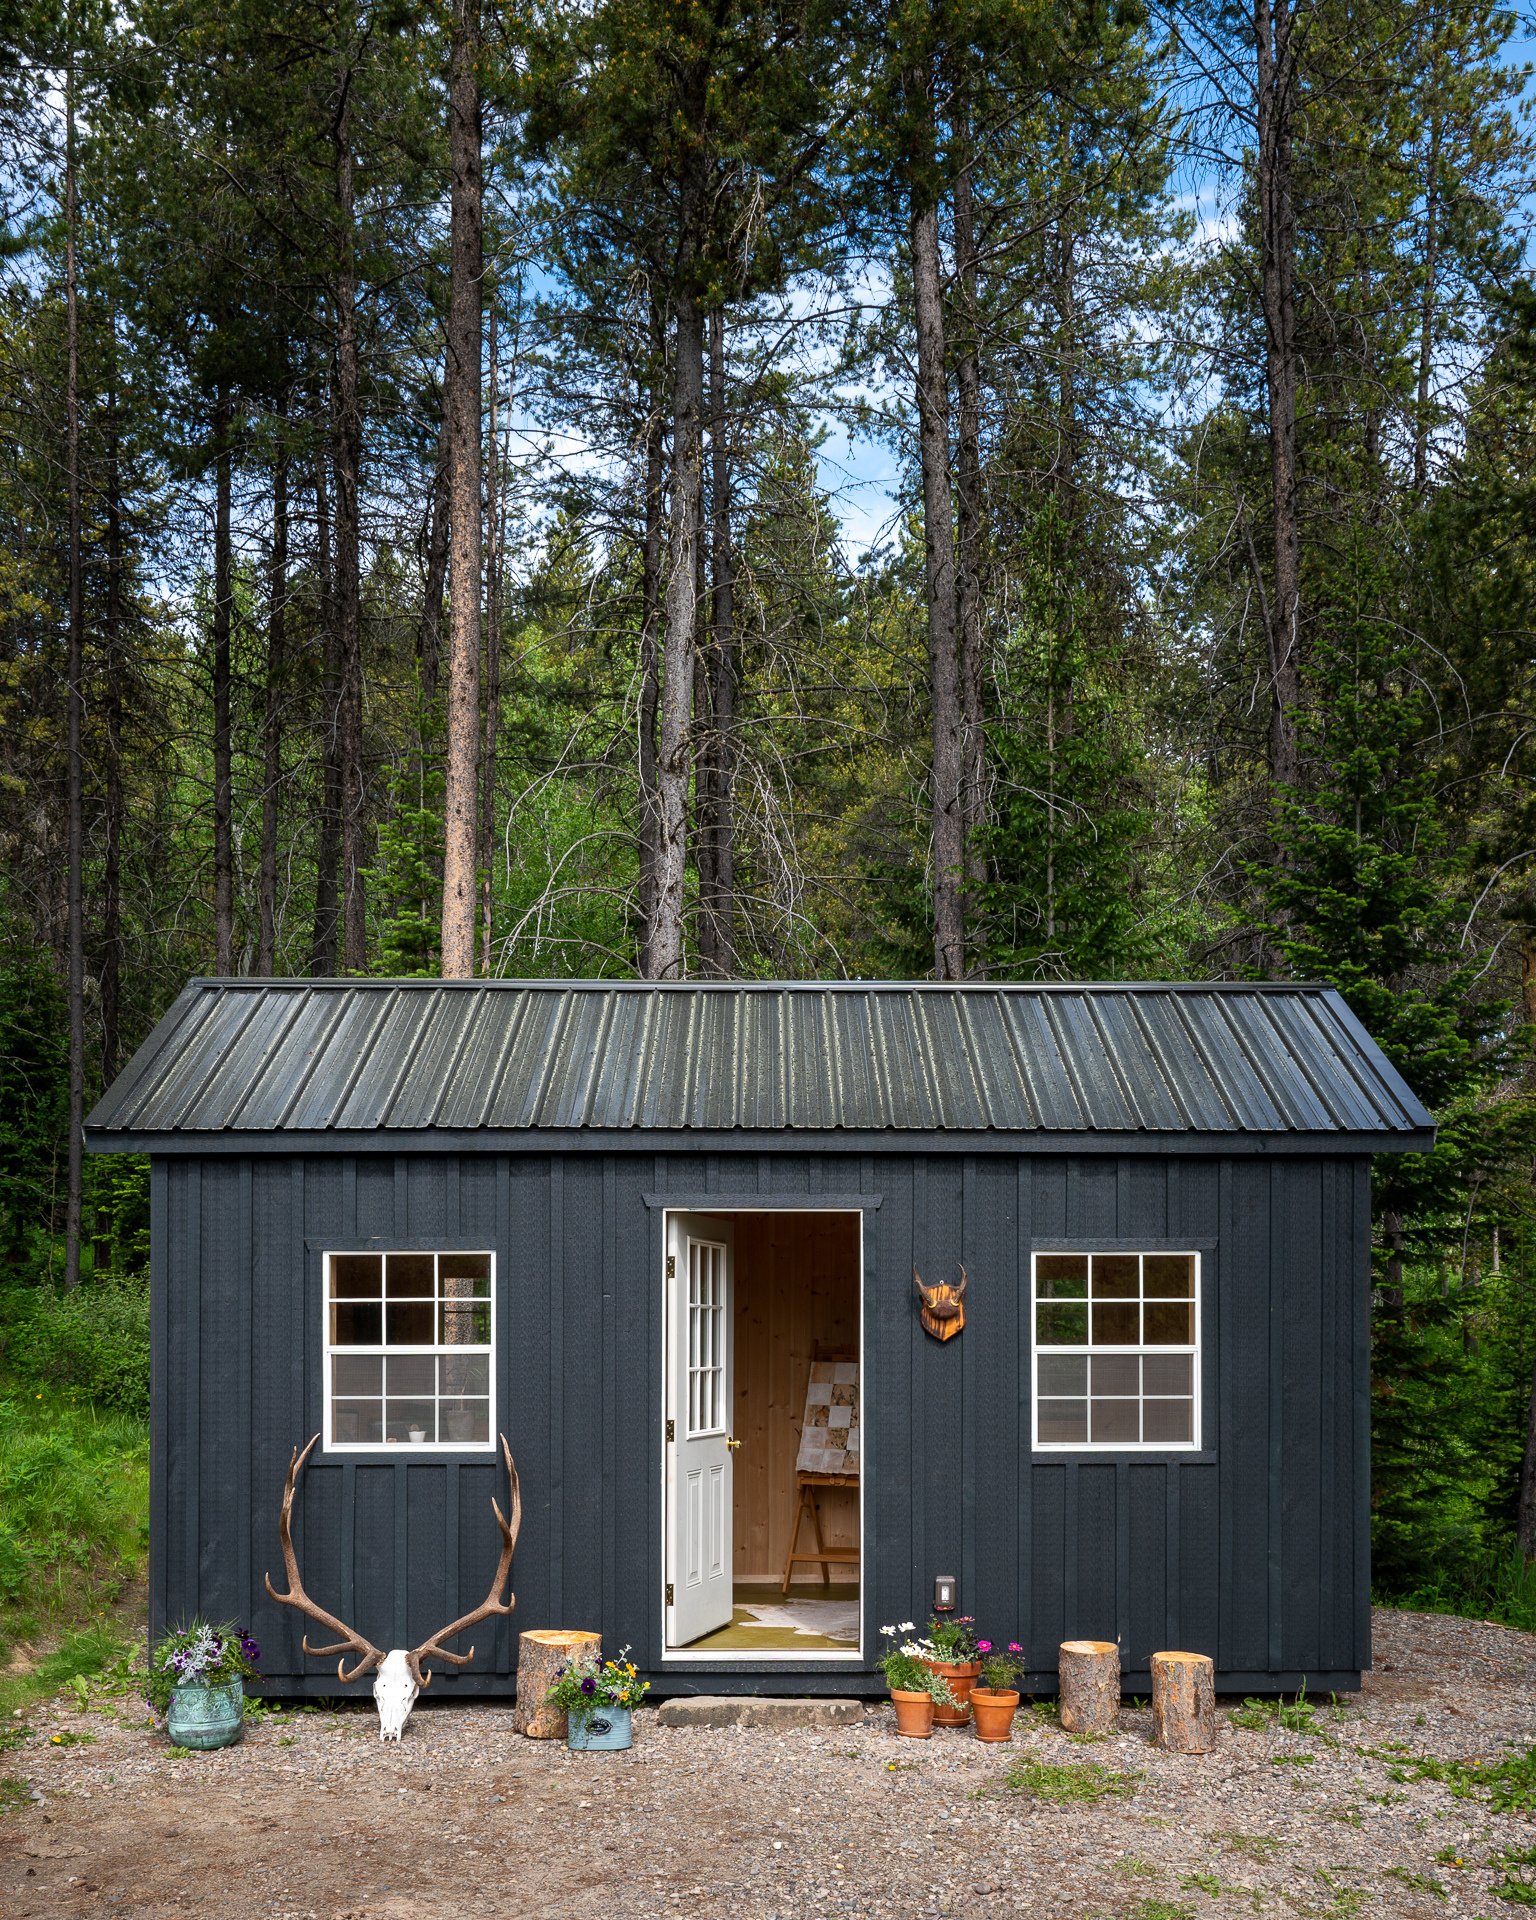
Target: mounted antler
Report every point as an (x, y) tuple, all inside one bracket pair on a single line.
[(943, 1311), (350, 1642), (492, 1604)]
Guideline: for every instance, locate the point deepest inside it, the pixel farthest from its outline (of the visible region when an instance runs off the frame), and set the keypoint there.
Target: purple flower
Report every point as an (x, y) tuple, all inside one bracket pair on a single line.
[(249, 1648), (589, 1685)]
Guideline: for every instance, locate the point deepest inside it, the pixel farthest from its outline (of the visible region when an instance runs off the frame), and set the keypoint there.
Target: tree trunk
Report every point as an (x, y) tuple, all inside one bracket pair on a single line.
[(492, 669), (717, 902), (650, 654), (1088, 1672), (1183, 1702), (939, 556), (461, 397), (1277, 224), (112, 714), (664, 943), (322, 958), (1525, 1512), (540, 1656), (1431, 265), (272, 710), (429, 638), (347, 460), (74, 1201), (223, 770), (968, 573)]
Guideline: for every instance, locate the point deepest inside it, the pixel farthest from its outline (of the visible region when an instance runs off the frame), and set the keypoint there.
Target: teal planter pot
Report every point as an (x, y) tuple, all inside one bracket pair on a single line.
[(603, 1730), (206, 1717)]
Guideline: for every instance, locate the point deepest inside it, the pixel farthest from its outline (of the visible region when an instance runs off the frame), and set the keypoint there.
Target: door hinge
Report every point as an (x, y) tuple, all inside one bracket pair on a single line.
[(671, 1429), (670, 1601), (671, 1266)]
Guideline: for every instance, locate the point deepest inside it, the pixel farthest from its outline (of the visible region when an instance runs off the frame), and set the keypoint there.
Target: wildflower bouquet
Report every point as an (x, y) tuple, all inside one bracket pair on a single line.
[(1001, 1669), (586, 1685), (904, 1664), (200, 1655), (954, 1639)]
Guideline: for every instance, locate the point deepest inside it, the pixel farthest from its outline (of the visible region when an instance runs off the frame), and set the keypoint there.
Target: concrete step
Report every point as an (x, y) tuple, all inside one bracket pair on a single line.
[(753, 1710)]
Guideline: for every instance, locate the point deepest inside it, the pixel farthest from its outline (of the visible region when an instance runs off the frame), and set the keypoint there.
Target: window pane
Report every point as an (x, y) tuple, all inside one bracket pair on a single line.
[(1064, 1420), (1169, 1420), (1167, 1373), (355, 1420), (1170, 1324), (356, 1326), (1116, 1276), (1116, 1373), (410, 1324), (466, 1323), (1116, 1326), (1062, 1276), (464, 1373), (410, 1373), (410, 1420), (465, 1275), (466, 1420), (357, 1373), (356, 1276), (411, 1276), (1116, 1420), (1062, 1326), (1172, 1274), (1063, 1373)]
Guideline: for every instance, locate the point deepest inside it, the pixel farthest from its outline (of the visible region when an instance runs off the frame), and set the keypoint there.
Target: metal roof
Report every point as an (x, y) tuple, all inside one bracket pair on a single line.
[(431, 1062)]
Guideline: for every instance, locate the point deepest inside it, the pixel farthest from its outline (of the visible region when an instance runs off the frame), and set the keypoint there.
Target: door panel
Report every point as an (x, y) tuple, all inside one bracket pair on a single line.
[(698, 1294)]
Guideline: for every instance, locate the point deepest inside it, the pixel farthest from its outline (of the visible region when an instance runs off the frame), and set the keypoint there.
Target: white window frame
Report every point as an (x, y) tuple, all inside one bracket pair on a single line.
[(1194, 1443), (396, 1448)]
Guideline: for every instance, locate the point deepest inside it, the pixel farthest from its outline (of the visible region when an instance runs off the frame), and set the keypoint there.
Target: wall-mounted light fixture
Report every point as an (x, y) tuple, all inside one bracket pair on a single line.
[(944, 1587)]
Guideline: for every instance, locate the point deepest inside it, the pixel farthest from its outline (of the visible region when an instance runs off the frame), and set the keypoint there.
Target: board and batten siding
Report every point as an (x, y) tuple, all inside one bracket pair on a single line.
[(1254, 1549)]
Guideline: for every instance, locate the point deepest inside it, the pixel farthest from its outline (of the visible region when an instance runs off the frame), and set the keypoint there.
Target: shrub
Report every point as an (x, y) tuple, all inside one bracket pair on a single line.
[(93, 1343)]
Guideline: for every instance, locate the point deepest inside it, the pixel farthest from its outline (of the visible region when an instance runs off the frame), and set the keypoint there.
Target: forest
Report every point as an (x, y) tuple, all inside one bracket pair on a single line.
[(785, 489)]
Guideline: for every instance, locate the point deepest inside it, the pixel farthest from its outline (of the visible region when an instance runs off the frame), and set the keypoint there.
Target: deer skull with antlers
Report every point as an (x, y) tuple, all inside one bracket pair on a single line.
[(943, 1310), (401, 1674)]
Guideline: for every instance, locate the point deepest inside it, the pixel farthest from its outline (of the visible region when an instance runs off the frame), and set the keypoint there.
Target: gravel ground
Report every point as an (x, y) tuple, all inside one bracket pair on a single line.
[(312, 1818)]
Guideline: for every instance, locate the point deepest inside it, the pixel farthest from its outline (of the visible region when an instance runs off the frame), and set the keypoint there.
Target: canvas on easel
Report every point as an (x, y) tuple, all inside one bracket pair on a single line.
[(828, 1457)]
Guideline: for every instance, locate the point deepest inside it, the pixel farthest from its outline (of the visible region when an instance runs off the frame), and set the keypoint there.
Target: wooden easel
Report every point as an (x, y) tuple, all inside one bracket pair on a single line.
[(807, 1483), (825, 1555)]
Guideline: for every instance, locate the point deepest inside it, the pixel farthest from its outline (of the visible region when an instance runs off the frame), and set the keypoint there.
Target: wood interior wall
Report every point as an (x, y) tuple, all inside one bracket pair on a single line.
[(797, 1295)]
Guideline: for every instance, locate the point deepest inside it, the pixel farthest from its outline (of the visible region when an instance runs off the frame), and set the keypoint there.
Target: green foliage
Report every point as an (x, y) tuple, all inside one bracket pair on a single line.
[(34, 1099), (73, 1516), (1508, 1784), (589, 1683), (1496, 1584), (92, 1345), (1518, 1868), (1068, 1782), (199, 1654)]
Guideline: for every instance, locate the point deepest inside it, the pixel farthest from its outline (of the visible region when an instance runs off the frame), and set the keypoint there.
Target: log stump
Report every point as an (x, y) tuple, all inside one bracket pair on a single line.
[(1089, 1672), (540, 1655), (1184, 1702)]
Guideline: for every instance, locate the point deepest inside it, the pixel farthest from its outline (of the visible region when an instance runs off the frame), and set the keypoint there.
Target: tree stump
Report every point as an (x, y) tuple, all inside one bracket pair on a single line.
[(1089, 1672), (1183, 1702), (540, 1656)]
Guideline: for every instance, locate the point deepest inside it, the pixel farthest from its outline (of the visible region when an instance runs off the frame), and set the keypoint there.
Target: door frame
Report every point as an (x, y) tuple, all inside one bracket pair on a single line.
[(769, 1658)]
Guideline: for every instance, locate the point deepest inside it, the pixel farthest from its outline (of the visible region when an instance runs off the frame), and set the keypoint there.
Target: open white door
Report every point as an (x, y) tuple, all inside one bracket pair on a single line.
[(700, 1396)]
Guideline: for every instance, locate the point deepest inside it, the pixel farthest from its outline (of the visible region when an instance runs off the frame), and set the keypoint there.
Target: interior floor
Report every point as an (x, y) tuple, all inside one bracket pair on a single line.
[(807, 1619)]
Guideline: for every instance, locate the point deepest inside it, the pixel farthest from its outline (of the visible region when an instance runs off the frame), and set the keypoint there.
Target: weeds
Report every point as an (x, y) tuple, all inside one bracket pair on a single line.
[(1202, 1883), (1420, 1882), (1517, 1886), (1295, 1716), (1255, 1846), (1068, 1781), (1128, 1863), (14, 1792), (1162, 1910), (1293, 1759), (1508, 1783)]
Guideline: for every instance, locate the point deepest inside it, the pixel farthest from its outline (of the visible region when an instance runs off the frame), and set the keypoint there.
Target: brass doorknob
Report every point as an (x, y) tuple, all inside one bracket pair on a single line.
[(733, 1444)]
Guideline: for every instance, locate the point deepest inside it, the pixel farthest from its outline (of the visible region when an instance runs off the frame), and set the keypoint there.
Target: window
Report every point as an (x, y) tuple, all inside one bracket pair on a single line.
[(706, 1338), (1116, 1350), (408, 1350)]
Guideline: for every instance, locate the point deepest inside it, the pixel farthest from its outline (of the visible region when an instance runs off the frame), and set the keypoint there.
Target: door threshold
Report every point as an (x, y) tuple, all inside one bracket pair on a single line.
[(766, 1656)]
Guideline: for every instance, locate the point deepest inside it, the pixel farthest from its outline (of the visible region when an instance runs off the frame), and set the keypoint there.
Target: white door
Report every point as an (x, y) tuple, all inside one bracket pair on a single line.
[(699, 1446)]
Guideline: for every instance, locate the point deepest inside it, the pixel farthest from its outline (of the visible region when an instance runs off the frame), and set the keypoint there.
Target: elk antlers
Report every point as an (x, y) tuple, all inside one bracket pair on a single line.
[(350, 1641), (943, 1310)]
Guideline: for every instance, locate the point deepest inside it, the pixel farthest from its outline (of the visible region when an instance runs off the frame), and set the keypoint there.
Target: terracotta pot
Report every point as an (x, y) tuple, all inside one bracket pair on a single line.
[(993, 1711), (961, 1677), (914, 1714)]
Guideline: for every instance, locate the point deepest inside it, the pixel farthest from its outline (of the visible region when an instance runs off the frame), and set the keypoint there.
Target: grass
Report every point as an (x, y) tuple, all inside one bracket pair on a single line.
[(1064, 1782), (1517, 1887), (1508, 1783), (14, 1792), (1162, 1910), (74, 1528), (1499, 1586)]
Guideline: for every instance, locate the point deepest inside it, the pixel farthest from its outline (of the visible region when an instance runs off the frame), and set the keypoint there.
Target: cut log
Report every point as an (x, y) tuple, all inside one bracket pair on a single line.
[(540, 1656), (1183, 1702), (1089, 1672)]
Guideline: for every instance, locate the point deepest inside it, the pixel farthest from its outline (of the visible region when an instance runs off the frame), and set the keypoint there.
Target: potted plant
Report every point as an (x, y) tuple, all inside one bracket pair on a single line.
[(954, 1642), (918, 1689), (598, 1699), (995, 1694), (197, 1677)]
